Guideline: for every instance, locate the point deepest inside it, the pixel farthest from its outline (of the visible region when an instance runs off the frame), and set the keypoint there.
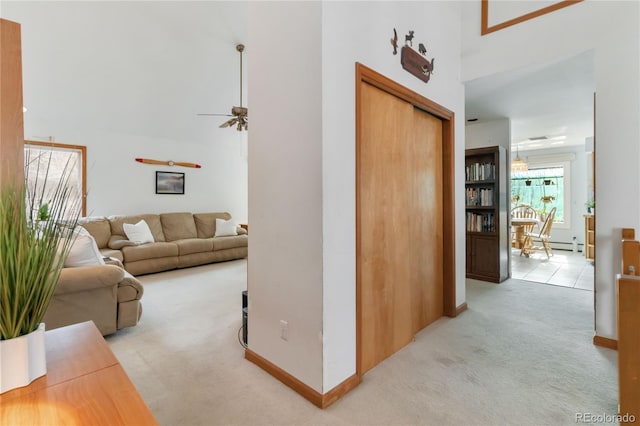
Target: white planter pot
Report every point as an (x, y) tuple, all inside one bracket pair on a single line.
[(22, 360)]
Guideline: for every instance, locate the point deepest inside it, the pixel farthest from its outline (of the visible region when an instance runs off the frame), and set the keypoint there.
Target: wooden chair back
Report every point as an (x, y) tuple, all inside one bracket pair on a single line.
[(545, 230), (523, 210)]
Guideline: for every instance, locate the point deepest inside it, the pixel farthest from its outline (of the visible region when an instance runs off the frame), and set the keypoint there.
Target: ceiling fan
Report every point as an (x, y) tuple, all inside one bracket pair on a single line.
[(239, 114)]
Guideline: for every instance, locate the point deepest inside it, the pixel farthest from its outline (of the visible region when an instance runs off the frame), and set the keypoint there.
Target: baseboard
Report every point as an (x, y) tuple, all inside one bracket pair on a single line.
[(561, 245), (310, 394), (460, 309), (339, 391), (605, 342)]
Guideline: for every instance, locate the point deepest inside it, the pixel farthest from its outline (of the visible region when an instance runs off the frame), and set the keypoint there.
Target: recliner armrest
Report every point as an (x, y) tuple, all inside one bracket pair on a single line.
[(84, 278), (129, 288)]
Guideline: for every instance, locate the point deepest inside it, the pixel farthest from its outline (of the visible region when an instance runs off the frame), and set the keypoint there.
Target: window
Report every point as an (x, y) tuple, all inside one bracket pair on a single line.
[(544, 186), (40, 156)]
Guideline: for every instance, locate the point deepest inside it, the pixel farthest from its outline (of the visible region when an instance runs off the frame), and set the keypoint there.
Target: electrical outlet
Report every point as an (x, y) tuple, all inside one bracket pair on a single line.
[(284, 330)]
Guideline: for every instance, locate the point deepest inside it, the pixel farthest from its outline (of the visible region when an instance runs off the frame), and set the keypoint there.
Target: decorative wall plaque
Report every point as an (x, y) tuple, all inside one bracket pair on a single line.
[(415, 62)]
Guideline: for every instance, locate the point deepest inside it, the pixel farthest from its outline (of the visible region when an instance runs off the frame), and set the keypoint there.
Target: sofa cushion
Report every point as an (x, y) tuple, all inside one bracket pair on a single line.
[(153, 221), (178, 226), (98, 227), (83, 251), (206, 223), (149, 251), (222, 243), (149, 266), (194, 245)]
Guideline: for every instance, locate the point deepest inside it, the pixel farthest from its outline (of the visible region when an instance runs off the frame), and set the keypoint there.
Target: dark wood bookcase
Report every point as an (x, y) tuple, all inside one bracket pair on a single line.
[(486, 214)]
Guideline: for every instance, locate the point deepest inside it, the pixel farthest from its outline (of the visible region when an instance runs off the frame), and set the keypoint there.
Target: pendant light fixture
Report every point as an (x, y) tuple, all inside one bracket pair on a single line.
[(518, 165)]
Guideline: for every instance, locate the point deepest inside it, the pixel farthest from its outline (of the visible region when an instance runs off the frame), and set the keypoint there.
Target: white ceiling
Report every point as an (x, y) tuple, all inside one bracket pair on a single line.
[(553, 100)]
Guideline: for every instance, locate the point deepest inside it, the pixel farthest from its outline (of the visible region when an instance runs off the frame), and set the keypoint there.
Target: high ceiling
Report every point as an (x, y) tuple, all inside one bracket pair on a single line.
[(551, 100)]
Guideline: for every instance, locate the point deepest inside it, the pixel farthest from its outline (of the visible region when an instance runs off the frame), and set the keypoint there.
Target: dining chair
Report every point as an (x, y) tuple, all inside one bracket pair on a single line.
[(522, 211), (543, 237)]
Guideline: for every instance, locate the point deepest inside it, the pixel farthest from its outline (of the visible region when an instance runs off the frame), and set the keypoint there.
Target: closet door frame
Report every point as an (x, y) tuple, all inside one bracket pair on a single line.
[(367, 75)]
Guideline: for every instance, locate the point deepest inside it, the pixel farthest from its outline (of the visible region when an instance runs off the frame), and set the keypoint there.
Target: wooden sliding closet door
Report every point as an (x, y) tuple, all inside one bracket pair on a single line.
[(385, 250), (425, 224), (401, 223)]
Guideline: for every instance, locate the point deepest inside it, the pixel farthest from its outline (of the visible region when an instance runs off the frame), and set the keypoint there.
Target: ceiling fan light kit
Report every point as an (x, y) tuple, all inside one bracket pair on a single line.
[(239, 114)]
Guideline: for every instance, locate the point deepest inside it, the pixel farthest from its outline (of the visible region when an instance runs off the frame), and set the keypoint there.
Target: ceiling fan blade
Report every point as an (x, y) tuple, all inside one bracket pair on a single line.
[(218, 115), (229, 123)]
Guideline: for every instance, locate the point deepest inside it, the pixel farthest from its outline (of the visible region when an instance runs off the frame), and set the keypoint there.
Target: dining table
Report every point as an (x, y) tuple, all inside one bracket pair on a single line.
[(520, 226)]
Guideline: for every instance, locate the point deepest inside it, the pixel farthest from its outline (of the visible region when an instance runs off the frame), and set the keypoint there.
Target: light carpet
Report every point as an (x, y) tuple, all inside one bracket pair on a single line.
[(522, 354)]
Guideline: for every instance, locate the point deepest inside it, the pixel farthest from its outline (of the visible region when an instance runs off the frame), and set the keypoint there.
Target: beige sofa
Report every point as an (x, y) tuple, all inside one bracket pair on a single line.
[(180, 240), (105, 294), (108, 294)]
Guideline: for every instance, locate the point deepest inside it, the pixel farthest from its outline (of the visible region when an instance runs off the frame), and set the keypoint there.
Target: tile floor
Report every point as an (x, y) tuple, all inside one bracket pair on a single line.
[(564, 268)]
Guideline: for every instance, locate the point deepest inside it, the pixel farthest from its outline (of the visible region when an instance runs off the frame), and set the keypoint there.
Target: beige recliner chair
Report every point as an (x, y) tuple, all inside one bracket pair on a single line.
[(105, 294)]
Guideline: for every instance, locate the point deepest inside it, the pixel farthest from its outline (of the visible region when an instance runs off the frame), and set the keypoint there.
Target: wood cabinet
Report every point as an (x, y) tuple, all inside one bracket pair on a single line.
[(590, 237), (486, 214)]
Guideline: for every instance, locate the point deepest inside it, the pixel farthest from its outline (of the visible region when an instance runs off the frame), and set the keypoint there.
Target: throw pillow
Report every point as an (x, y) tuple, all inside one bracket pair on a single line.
[(225, 228), (84, 251), (138, 233)]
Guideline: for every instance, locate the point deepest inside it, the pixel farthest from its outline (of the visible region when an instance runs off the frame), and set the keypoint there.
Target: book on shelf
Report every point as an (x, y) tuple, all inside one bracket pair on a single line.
[(480, 222), (479, 197), (480, 171)]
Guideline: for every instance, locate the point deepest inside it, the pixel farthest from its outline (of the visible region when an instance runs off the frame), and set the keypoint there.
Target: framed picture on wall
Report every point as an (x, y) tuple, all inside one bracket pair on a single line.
[(505, 14), (169, 183)]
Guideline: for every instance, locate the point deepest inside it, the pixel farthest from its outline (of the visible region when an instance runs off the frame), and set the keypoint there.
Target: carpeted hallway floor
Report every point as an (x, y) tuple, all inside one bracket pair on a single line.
[(521, 355)]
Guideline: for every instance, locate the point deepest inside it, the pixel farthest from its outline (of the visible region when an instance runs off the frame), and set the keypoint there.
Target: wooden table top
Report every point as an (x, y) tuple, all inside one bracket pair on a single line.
[(84, 384), (520, 221)]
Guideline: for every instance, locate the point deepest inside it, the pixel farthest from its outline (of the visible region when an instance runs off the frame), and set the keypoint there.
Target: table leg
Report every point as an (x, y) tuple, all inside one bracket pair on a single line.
[(519, 243)]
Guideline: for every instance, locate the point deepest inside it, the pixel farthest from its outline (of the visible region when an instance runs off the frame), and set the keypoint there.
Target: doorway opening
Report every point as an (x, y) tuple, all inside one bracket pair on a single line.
[(547, 115)]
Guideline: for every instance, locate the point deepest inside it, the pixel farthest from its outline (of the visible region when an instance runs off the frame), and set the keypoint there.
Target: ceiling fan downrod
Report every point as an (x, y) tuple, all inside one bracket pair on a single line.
[(239, 114), (240, 48)]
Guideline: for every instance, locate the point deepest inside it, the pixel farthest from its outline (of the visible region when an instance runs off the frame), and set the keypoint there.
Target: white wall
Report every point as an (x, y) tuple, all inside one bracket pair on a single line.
[(126, 79), (324, 301), (488, 133), (612, 29), (360, 32), (285, 186), (350, 32)]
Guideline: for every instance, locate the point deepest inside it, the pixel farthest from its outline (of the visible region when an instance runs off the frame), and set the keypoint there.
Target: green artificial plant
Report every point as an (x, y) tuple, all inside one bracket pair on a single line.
[(35, 238)]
